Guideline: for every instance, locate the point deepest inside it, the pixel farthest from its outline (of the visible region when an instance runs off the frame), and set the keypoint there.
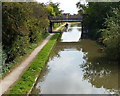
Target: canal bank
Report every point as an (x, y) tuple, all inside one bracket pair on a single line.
[(30, 76), (77, 66), (19, 71)]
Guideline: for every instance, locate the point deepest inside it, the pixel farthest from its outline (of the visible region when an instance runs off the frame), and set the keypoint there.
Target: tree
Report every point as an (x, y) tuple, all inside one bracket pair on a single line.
[(111, 35), (23, 23), (103, 24), (54, 9)]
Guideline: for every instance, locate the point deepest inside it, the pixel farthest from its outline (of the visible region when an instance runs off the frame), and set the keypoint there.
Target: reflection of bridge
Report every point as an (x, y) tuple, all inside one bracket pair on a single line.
[(71, 18), (68, 45)]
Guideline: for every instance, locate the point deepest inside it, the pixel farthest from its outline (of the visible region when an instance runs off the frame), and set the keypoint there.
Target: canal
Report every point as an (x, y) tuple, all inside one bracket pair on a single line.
[(77, 66)]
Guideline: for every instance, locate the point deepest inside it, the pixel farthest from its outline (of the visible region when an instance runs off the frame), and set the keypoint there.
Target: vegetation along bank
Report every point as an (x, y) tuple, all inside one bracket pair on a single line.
[(103, 22), (24, 84), (25, 25)]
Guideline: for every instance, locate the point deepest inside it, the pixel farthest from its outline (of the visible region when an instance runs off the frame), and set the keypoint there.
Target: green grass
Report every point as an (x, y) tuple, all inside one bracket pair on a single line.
[(24, 84)]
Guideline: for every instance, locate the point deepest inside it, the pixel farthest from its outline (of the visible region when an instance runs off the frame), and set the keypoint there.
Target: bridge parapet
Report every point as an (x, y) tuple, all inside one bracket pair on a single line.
[(65, 17)]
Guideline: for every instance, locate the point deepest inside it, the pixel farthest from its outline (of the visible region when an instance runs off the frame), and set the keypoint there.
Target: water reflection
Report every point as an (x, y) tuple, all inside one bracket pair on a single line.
[(70, 29), (78, 68), (72, 35), (65, 29), (97, 70)]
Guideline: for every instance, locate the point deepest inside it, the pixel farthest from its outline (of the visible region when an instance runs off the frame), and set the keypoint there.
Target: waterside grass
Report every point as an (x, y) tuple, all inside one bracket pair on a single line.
[(24, 84)]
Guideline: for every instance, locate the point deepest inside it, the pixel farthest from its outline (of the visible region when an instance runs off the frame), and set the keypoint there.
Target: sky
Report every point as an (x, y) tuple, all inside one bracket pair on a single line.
[(68, 6)]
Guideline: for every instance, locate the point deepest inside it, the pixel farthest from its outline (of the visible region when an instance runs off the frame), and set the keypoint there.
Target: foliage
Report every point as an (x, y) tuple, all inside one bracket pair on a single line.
[(1, 59), (111, 35), (97, 12), (50, 10), (24, 26), (103, 24), (23, 87), (54, 9), (82, 8)]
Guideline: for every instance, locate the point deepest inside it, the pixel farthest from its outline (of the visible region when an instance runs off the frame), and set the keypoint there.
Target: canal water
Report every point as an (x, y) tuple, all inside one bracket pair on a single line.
[(77, 66)]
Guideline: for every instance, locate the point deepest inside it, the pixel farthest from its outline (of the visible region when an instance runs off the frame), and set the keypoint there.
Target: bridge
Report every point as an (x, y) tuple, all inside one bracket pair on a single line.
[(69, 18)]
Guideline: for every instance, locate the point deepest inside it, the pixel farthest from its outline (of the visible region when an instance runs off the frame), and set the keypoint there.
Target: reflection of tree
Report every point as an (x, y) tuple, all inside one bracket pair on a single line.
[(99, 71), (79, 29), (70, 29), (41, 78), (55, 52), (36, 90), (101, 74), (61, 46), (75, 24)]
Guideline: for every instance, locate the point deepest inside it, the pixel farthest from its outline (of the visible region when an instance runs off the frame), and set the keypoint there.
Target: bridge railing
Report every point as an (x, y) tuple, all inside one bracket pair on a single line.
[(65, 18)]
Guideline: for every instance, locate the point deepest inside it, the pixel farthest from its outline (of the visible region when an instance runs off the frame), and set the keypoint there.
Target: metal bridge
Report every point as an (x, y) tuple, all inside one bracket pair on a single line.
[(70, 18)]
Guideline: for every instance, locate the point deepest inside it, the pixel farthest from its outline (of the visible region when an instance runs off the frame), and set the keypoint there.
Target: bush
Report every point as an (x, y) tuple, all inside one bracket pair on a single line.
[(23, 24), (111, 35)]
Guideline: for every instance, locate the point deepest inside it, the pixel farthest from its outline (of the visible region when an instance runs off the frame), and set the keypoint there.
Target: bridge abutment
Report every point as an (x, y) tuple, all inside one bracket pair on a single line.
[(50, 27)]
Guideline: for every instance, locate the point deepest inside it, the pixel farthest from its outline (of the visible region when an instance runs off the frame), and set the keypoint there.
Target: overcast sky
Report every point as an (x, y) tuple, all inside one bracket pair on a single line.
[(69, 6)]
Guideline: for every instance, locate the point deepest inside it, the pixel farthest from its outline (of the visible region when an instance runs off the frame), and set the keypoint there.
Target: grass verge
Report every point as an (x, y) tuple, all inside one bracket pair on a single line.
[(28, 78)]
